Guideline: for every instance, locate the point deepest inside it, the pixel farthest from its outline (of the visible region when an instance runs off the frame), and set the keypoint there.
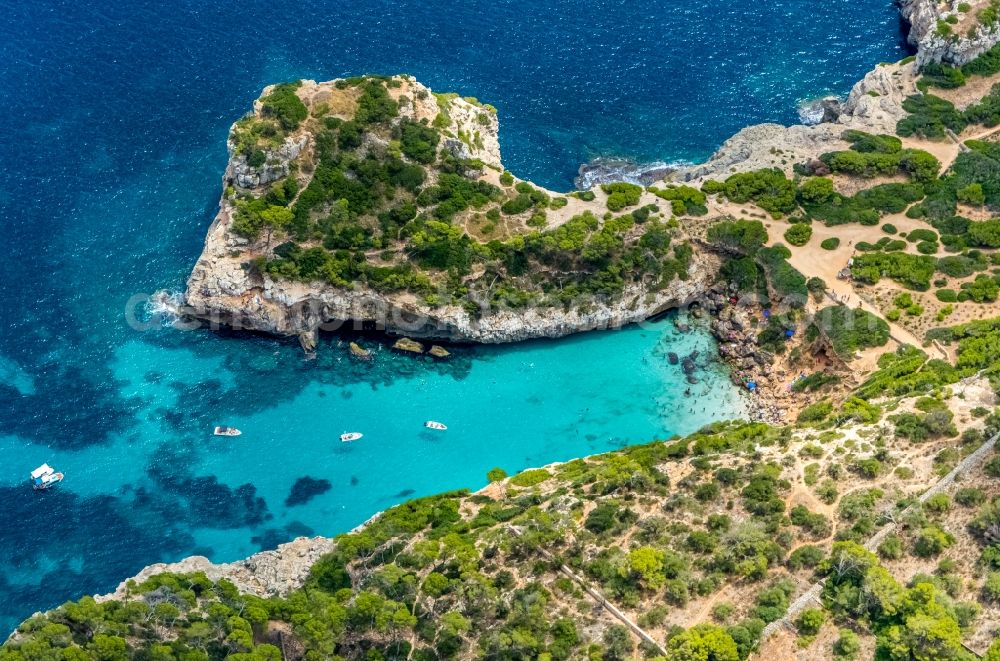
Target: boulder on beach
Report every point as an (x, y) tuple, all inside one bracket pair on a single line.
[(408, 345), (439, 351)]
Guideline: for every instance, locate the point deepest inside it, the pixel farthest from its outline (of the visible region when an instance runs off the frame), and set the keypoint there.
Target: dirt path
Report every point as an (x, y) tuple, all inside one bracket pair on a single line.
[(813, 261)]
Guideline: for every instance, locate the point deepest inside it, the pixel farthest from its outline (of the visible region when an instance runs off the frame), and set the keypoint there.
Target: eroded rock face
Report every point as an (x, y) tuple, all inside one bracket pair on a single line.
[(225, 289), (874, 105), (955, 49), (275, 167), (265, 574)]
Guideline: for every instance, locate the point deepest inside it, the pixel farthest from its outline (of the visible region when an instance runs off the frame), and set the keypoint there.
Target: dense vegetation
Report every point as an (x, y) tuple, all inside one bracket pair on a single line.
[(814, 197), (849, 329), (932, 117), (946, 76), (388, 207)]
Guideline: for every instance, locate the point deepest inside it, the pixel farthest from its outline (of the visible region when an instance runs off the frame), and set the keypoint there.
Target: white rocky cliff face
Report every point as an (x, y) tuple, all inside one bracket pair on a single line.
[(224, 290), (955, 49), (265, 574)]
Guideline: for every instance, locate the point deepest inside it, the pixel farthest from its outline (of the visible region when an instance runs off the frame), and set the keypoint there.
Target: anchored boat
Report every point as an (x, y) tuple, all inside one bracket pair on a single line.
[(347, 437), (227, 431), (44, 477), (430, 424)]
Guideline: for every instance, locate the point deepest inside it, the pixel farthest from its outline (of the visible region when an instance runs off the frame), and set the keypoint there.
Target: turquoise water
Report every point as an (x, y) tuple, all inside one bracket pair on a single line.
[(113, 136), (513, 407)]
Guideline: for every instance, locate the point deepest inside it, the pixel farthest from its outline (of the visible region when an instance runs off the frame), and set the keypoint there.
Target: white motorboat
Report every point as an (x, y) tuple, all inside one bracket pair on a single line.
[(440, 426), (349, 436), (227, 431), (44, 477)]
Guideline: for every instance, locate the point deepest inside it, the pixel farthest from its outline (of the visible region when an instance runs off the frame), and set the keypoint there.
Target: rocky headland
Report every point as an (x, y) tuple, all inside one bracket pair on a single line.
[(225, 288)]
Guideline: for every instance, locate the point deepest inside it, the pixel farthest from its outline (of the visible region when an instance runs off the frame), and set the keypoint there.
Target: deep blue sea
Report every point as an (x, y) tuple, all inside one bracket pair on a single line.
[(112, 140)]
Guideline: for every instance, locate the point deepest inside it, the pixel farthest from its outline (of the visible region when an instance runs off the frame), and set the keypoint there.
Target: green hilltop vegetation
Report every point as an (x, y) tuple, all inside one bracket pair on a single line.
[(464, 575), (388, 206)]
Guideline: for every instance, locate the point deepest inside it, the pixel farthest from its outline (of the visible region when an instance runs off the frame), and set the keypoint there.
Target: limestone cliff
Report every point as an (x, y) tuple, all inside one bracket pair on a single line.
[(875, 103), (227, 285), (957, 45), (265, 574)]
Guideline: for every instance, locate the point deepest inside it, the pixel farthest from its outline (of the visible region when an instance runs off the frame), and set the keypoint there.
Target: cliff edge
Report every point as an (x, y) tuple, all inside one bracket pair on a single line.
[(376, 201)]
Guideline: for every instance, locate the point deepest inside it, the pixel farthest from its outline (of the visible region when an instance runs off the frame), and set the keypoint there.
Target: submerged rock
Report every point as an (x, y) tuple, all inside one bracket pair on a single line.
[(406, 344), (672, 358)]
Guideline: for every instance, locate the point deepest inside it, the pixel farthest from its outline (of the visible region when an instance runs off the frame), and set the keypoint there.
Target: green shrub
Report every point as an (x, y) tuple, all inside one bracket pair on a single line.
[(849, 329), (970, 497), (946, 295), (798, 234), (769, 189), (809, 621), (889, 228), (815, 412), (375, 106), (831, 243), (939, 503), (418, 142), (917, 235), (991, 588), (847, 647), (284, 105), (972, 194), (742, 236), (621, 195), (684, 199), (530, 478), (805, 557), (930, 117), (816, 190), (931, 541), (983, 289), (891, 548), (912, 271), (517, 205), (787, 284)]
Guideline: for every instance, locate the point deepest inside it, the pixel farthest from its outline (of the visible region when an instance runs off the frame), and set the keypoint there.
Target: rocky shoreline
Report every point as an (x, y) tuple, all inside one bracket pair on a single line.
[(734, 325)]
